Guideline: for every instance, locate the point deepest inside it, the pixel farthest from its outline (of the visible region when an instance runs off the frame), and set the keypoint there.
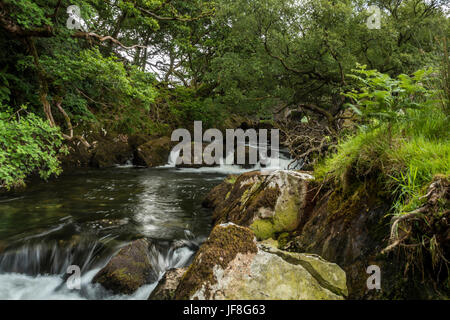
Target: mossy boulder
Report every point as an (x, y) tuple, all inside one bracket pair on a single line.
[(138, 139), (128, 270), (217, 195), (111, 153), (153, 153), (223, 245), (165, 290), (105, 150), (267, 204), (328, 274), (231, 265)]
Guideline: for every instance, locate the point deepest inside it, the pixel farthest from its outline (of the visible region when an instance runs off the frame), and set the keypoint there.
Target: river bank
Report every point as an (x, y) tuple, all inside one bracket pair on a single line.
[(196, 233)]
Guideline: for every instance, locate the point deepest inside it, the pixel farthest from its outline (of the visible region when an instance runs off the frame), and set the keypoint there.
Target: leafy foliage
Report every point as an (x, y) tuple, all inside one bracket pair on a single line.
[(288, 53), (28, 145), (151, 65), (119, 96), (403, 155), (381, 97)]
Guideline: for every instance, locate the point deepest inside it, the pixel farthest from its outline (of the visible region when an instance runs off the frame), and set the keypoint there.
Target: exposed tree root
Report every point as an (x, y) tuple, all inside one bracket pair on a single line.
[(426, 227)]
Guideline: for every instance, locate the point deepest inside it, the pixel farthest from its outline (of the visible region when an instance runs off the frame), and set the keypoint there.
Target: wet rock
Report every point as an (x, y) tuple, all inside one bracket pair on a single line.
[(138, 139), (154, 153), (128, 270), (231, 265), (105, 151), (268, 204), (216, 196), (79, 156), (351, 229), (113, 153), (165, 290)]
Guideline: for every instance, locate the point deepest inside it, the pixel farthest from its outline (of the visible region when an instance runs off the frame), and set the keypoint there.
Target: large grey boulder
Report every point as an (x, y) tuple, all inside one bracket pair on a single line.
[(231, 265), (269, 204)]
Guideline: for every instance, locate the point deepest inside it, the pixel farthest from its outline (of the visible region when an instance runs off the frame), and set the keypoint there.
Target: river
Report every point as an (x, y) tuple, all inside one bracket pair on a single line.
[(83, 217)]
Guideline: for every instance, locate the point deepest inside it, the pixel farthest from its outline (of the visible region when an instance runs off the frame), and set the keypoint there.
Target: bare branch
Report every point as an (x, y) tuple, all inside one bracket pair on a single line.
[(87, 35)]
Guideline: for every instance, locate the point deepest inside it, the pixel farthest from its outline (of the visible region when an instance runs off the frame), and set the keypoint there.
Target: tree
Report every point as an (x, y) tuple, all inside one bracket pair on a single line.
[(115, 30), (297, 54)]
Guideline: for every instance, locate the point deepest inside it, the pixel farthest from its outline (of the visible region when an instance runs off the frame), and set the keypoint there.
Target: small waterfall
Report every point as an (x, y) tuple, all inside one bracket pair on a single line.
[(276, 163), (173, 157), (127, 165), (174, 254), (39, 270), (282, 162), (52, 256)]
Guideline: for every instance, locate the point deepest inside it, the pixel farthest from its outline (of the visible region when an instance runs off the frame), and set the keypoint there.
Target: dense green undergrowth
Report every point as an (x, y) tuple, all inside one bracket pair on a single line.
[(402, 148), (28, 145), (403, 161), (402, 141)]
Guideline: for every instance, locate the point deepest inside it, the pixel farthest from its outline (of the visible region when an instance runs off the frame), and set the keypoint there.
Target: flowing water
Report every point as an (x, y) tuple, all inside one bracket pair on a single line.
[(84, 217)]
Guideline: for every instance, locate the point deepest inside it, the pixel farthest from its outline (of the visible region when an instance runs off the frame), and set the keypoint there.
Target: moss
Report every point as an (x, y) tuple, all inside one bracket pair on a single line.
[(252, 199), (245, 196), (250, 193), (123, 275), (265, 198), (231, 179), (214, 199), (358, 199), (263, 229), (220, 249), (286, 219), (283, 239), (129, 269)]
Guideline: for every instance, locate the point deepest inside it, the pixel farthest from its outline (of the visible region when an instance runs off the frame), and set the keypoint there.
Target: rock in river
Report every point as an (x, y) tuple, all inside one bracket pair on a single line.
[(165, 290), (154, 153), (267, 204), (128, 270)]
